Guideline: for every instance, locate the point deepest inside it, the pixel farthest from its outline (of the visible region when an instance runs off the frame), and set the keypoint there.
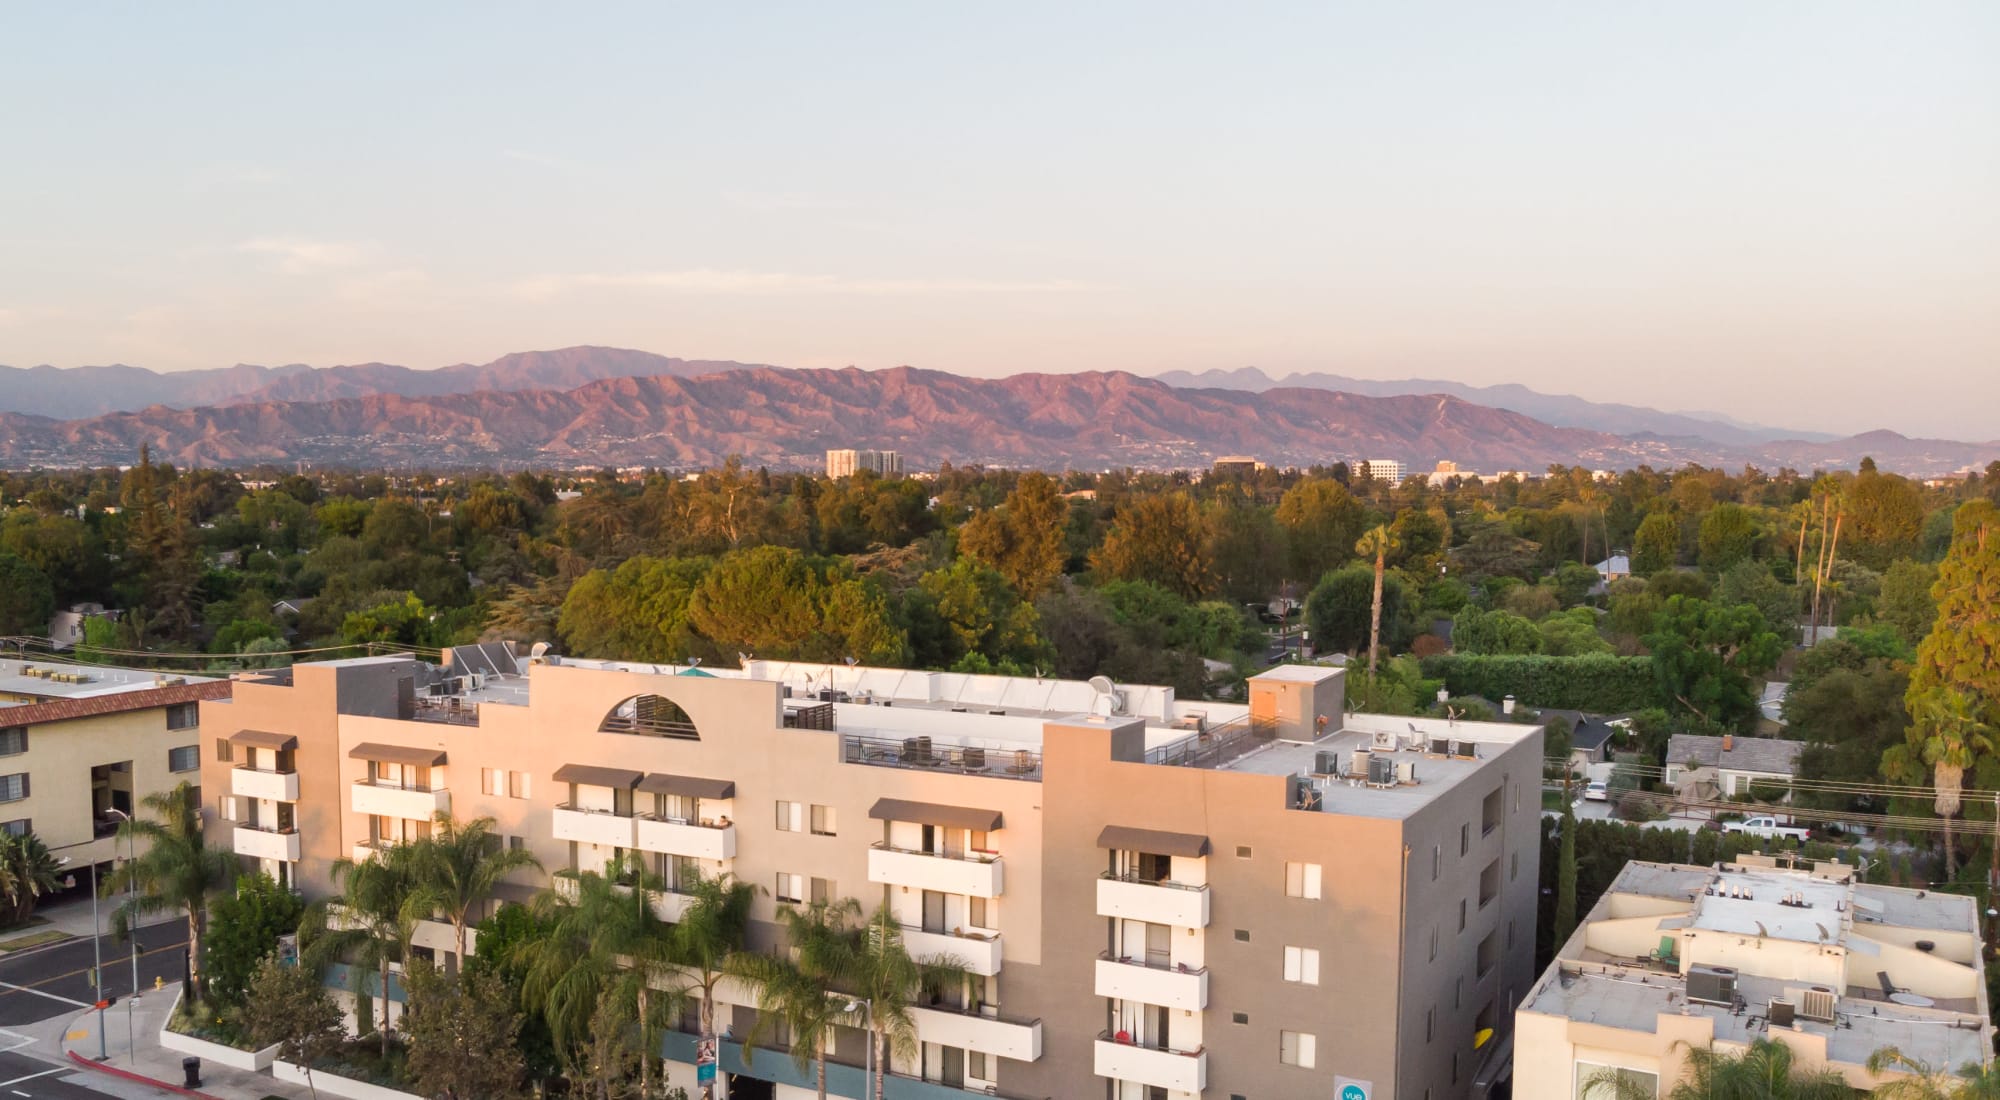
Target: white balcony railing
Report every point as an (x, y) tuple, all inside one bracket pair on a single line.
[(1161, 902), (978, 952), (1160, 1067), (600, 827), (1172, 986), (383, 800), (260, 843), (248, 782), (977, 874), (686, 838), (987, 1033)]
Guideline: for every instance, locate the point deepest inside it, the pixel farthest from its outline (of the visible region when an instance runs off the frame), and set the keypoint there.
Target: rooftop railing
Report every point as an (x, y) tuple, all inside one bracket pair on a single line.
[(921, 754), (1214, 747)]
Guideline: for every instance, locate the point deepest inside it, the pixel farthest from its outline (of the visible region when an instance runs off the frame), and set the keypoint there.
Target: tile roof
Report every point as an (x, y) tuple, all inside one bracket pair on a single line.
[(1748, 754), (92, 706)]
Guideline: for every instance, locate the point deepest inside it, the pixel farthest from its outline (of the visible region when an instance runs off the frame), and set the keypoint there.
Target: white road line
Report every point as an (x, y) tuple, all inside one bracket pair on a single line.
[(18, 1041), (42, 993), (32, 1076)]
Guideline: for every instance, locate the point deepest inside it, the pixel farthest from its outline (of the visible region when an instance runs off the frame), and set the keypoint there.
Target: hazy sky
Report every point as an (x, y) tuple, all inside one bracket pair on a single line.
[(1786, 211)]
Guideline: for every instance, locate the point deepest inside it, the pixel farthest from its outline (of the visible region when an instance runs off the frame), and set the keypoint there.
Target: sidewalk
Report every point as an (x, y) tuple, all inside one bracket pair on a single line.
[(68, 919), (55, 1039)]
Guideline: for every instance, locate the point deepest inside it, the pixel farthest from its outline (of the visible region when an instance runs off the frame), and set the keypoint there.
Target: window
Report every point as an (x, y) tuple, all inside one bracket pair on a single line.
[(14, 787), (1437, 861), (1295, 1048), (1489, 883), (975, 1066), (1490, 812), (1239, 1017), (1510, 935), (791, 887), (791, 817), (489, 781), (1242, 851), (183, 716), (1464, 839), (1461, 914), (1430, 1023), (224, 751), (1434, 943), (1513, 866), (20, 826), (516, 843), (1242, 935), (1643, 1083), (517, 784), (823, 890), (226, 807), (822, 820), (1489, 953), (187, 758), (1302, 881), (13, 741), (1302, 965)]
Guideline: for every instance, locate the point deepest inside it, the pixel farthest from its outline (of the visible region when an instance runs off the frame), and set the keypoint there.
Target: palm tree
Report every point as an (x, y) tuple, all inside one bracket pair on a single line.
[(1972, 1082), (1945, 735), (1764, 1071), (710, 930), (372, 921), (1377, 542), (176, 871), (876, 967), (605, 944), (799, 990), (27, 872), (457, 866)]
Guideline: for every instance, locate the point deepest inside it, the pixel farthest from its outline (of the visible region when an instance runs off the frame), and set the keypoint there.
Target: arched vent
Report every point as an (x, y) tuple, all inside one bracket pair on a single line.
[(650, 716)]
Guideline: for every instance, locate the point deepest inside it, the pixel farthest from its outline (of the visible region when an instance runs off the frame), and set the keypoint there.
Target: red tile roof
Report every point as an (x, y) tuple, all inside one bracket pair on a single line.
[(65, 710)]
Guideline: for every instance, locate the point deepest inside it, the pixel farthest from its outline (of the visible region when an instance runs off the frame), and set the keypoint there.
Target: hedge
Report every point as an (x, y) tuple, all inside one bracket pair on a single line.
[(1599, 683)]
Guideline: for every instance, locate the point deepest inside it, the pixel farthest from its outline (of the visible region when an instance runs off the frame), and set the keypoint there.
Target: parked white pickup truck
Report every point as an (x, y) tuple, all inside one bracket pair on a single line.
[(1767, 827)]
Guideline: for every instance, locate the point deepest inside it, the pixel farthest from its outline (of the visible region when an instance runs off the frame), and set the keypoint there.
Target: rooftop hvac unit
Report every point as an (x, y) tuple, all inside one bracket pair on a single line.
[(1712, 985), (1385, 741), (1357, 764), (1381, 771), (1326, 762), (1817, 1004), (1467, 749), (1452, 748), (1299, 792), (1406, 772), (1780, 1014)]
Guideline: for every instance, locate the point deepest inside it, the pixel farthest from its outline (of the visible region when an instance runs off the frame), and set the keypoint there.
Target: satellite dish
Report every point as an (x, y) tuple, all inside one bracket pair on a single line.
[(851, 662), (1114, 700), (694, 662), (1102, 685), (539, 649), (744, 658)]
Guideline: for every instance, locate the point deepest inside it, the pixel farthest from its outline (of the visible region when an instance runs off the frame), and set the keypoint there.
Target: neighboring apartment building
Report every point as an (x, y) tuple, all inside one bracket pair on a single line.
[(1156, 898), (1676, 957), (1387, 470), (78, 741), (847, 463)]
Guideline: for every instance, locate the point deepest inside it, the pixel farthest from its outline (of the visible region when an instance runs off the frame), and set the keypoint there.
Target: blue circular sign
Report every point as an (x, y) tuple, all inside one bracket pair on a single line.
[(1352, 1092)]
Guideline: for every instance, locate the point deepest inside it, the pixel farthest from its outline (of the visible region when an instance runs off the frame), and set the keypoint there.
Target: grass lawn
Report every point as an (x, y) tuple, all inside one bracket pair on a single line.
[(1552, 799)]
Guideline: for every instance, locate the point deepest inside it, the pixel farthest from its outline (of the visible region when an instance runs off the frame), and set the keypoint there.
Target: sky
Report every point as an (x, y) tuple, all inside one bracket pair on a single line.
[(1786, 212)]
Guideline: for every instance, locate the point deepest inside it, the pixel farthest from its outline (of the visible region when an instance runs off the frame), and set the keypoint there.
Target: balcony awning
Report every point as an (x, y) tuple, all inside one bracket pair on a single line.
[(1152, 841), (264, 739), (408, 755), (932, 813), (591, 775), (689, 786)]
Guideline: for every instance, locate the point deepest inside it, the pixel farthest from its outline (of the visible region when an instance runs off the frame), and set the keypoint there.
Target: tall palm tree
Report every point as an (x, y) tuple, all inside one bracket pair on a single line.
[(1972, 1081), (373, 919), (799, 990), (710, 930), (876, 967), (457, 866), (605, 943), (1764, 1071), (176, 870), (1946, 736), (1377, 543)]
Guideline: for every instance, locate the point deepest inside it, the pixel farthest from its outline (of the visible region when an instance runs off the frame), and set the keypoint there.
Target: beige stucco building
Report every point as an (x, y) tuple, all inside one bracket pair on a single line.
[(1675, 957), (1157, 898)]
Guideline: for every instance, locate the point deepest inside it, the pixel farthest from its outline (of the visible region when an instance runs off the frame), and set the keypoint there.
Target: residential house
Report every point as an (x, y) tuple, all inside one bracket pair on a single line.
[(66, 626), (1729, 764)]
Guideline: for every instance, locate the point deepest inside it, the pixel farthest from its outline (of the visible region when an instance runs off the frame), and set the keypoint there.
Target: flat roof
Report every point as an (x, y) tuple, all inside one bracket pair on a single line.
[(1783, 905), (24, 678), (1301, 674), (1406, 741)]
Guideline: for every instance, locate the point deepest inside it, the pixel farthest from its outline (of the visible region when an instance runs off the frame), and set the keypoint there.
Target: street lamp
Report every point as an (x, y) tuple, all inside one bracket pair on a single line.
[(868, 1010), (96, 951), (131, 934)]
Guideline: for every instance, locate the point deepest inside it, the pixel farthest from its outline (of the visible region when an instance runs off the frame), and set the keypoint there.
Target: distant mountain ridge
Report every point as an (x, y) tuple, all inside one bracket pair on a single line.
[(1562, 410)]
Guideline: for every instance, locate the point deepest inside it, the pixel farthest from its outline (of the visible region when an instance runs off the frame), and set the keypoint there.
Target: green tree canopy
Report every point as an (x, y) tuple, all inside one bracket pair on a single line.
[(1729, 533), (27, 597), (1656, 545), (636, 612), (1705, 655), (1338, 609), (1162, 539), (1321, 521), (776, 602), (1023, 538)]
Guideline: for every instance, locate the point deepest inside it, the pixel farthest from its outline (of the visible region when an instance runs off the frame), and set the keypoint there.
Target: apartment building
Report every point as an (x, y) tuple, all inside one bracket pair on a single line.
[(847, 463), (1676, 957), (1389, 470), (81, 744), (1156, 898)]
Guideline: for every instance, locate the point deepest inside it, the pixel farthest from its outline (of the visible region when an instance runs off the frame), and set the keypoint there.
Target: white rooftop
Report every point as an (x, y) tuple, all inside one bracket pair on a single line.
[(90, 681)]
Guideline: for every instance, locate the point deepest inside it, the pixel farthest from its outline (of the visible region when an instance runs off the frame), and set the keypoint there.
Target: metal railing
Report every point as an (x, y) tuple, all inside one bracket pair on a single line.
[(1136, 879), (664, 819), (1212, 748), (968, 856), (1109, 1036), (385, 785), (1164, 967), (650, 727), (449, 709), (922, 754)]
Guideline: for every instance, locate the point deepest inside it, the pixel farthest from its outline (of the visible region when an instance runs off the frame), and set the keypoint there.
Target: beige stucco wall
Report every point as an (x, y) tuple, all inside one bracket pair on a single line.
[(58, 762)]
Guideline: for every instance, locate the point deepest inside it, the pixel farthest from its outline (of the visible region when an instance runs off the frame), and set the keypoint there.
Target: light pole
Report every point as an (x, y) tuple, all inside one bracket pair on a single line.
[(97, 954), (131, 935), (867, 1008)]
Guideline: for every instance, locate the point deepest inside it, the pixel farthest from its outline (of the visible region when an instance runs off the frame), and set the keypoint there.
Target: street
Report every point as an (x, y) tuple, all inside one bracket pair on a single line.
[(41, 983)]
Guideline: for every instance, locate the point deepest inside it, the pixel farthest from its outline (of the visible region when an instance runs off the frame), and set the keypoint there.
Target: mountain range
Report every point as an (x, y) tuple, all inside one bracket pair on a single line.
[(585, 407)]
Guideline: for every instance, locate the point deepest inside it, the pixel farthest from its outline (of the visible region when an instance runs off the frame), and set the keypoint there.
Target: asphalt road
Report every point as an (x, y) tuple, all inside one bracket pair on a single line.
[(24, 1077), (41, 982)]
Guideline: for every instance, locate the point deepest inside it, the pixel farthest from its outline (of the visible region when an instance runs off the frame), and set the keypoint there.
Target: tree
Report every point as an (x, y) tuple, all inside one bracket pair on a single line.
[(27, 872), (1849, 718), (1885, 517), (175, 870), (798, 989), (1321, 521), (876, 967), (711, 929), (1656, 544), (1973, 1081), (287, 1007), (1162, 539), (1764, 1071), (981, 613), (244, 930), (1947, 735), (1704, 655), (776, 602), (1377, 544), (455, 869), (372, 922), (1023, 538), (1905, 601), (1729, 533), (1751, 582), (1477, 631), (1340, 610), (27, 597), (460, 1031), (400, 622), (636, 612), (1565, 922), (505, 953), (1571, 633)]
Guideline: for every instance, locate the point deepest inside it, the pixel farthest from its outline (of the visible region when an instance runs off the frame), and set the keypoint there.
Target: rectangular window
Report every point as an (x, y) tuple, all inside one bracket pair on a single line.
[(13, 788), (791, 817), (225, 753), (1295, 1048), (1461, 914), (1513, 866), (1242, 851), (1464, 839), (13, 741), (20, 826), (489, 782), (1489, 883), (1434, 943), (517, 784), (1302, 881), (791, 888), (823, 890), (822, 820), (516, 843), (1490, 811), (183, 716), (1430, 1023), (186, 758), (1437, 860), (1489, 953), (226, 808), (1588, 1073), (1302, 965)]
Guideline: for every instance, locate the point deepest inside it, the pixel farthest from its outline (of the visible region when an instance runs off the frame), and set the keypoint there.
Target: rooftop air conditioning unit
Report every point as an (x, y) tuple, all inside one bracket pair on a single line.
[(1780, 1013), (1817, 1004), (1326, 762), (1381, 770), (1385, 741), (1357, 763), (1406, 772), (1712, 985)]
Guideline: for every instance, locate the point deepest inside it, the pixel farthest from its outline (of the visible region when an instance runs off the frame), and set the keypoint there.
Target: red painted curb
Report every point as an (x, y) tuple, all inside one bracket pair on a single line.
[(89, 1063)]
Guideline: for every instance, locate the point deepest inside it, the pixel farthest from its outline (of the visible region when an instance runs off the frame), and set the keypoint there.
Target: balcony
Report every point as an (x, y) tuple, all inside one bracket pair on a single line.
[(368, 849), (978, 951), (1160, 1067), (386, 800), (685, 838), (1133, 980), (667, 905), (1161, 902), (993, 1034), (976, 874), (600, 827), (842, 1080), (248, 782), (263, 843)]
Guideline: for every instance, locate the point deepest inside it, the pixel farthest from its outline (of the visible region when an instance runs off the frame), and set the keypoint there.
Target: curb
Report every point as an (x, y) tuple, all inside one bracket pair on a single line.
[(141, 1078)]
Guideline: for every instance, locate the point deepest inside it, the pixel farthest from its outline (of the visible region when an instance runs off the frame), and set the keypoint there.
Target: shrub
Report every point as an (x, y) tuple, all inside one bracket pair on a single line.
[(1600, 683)]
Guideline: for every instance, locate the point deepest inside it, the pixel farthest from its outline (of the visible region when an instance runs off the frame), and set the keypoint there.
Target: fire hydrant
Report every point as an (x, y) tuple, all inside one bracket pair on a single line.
[(158, 983)]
